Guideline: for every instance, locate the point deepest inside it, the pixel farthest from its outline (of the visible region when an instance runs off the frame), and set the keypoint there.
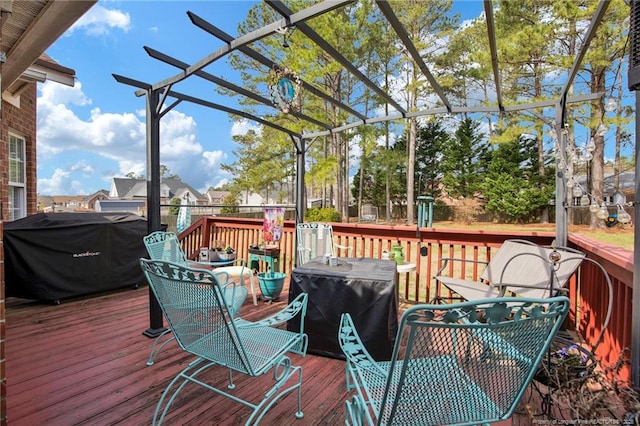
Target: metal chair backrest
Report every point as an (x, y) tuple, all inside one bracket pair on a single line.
[(527, 269), (192, 301), (165, 245), (315, 239), (464, 363)]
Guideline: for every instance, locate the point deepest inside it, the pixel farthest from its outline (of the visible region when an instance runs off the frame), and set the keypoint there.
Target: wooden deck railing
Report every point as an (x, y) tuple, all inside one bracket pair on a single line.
[(588, 290)]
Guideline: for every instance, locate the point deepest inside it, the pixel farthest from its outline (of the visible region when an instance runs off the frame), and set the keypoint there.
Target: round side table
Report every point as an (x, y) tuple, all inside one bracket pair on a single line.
[(406, 267)]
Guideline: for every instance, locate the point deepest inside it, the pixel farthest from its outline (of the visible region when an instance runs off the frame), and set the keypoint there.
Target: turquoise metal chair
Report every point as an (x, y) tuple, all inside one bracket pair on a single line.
[(463, 363), (193, 303), (315, 239), (163, 245)]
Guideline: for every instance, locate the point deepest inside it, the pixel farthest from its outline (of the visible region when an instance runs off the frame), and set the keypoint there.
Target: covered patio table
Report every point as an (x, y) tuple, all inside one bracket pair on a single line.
[(363, 287)]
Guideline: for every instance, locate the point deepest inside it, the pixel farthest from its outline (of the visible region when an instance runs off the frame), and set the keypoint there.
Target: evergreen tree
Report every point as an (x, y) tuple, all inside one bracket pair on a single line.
[(464, 160), (511, 186)]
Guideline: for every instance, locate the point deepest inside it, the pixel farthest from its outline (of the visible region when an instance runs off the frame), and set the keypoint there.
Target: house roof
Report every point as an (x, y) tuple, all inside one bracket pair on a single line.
[(134, 188), (626, 182), (98, 193), (28, 29), (216, 195)]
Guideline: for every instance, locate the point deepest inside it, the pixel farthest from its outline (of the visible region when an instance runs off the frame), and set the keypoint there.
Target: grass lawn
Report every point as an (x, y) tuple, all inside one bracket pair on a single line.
[(619, 235)]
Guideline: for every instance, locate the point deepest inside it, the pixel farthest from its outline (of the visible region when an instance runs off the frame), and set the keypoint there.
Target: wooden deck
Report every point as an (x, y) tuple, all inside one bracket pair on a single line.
[(83, 362)]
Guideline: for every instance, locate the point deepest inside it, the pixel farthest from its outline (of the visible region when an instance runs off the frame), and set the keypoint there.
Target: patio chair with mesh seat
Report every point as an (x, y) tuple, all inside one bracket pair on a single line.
[(192, 300), (463, 363), (163, 245)]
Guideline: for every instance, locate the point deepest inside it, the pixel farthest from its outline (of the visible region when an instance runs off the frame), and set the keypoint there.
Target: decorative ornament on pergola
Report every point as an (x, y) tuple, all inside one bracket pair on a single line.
[(284, 88)]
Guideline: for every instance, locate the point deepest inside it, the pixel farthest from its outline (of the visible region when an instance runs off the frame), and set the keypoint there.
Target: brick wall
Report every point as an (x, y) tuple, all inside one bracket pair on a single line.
[(22, 121)]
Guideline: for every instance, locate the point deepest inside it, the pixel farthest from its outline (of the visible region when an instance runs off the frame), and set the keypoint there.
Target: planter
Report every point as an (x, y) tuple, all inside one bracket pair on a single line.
[(214, 255), (397, 254), (225, 257), (559, 368), (271, 284)]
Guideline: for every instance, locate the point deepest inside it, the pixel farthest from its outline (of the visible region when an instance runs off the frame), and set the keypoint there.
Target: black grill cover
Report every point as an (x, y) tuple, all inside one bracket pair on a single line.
[(52, 256)]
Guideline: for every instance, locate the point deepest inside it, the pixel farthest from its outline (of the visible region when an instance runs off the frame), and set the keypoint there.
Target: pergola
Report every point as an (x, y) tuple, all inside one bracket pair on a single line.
[(161, 98)]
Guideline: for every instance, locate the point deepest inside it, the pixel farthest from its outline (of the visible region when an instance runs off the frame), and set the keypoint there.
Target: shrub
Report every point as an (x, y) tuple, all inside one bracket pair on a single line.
[(322, 214), (175, 206)]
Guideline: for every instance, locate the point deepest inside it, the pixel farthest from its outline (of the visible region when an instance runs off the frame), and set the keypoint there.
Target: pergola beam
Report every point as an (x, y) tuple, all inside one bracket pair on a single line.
[(221, 35), (591, 32), (269, 29), (461, 110), (491, 33), (324, 45), (208, 104), (227, 85), (411, 48)]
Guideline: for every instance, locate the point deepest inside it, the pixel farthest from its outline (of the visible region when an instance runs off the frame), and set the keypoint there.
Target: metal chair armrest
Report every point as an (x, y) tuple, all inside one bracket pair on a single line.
[(347, 248), (354, 350), (445, 262), (239, 261), (297, 306)]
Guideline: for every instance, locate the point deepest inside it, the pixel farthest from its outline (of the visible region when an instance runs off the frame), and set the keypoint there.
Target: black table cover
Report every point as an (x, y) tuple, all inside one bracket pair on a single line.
[(366, 288)]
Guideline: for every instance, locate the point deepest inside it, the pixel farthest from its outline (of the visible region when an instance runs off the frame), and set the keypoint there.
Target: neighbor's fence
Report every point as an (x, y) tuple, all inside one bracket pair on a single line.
[(588, 290)]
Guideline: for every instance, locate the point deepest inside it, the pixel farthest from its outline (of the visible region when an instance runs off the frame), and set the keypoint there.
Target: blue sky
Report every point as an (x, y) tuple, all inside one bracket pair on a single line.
[(95, 131)]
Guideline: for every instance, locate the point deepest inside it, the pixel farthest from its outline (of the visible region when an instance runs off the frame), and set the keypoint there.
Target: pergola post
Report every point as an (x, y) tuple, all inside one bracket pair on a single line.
[(301, 203), (561, 193), (156, 326)]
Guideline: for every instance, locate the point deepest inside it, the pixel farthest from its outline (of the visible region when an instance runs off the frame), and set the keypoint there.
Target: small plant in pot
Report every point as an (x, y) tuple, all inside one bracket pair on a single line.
[(227, 254), (214, 253), (564, 363)]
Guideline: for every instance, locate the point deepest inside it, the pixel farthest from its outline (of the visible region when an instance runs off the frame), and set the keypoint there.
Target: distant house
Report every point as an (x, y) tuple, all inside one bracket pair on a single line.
[(170, 188), (89, 201), (68, 203), (626, 187), (138, 207), (217, 197)]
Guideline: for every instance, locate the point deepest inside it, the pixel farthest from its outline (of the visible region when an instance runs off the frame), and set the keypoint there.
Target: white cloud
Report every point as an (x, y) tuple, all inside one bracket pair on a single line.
[(213, 158), (59, 183), (61, 94), (83, 167), (99, 21), (114, 136), (241, 127), (112, 144)]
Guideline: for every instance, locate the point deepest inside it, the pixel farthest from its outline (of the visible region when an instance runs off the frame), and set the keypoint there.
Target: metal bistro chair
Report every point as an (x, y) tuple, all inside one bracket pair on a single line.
[(316, 239), (163, 245), (193, 303), (520, 268), (464, 363)]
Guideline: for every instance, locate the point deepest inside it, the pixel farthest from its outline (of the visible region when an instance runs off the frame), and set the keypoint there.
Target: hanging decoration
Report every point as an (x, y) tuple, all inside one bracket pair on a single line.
[(284, 88), (575, 156), (273, 225)]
